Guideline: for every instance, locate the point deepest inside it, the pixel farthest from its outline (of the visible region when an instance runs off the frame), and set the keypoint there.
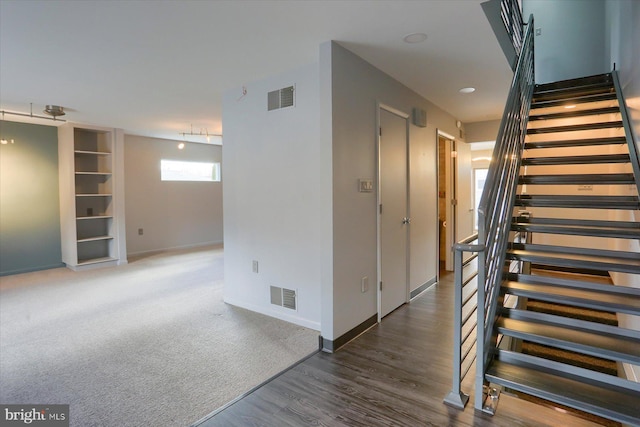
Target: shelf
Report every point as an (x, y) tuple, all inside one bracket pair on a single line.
[(94, 173), (94, 239), (95, 260), (93, 195), (94, 217), (95, 153)]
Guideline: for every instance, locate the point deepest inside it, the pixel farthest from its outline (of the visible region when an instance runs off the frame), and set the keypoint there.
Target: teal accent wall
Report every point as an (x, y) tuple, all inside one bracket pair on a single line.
[(29, 199)]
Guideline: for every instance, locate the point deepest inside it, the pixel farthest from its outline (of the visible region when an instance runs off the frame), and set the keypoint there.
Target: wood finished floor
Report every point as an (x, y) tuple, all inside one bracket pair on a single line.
[(395, 374)]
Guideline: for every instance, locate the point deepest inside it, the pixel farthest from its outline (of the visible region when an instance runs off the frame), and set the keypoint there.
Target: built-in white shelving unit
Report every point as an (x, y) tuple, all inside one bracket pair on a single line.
[(91, 196)]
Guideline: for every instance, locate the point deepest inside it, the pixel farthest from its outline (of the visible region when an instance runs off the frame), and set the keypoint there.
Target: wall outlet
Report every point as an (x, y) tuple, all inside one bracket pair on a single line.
[(364, 284), (254, 266), (140, 231)]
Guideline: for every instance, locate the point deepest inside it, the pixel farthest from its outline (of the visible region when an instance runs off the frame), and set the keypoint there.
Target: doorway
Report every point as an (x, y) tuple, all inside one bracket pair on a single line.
[(446, 199), (455, 198), (393, 209)]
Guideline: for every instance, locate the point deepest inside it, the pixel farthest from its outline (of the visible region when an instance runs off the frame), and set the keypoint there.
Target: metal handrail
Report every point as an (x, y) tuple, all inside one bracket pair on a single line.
[(496, 206), (478, 277), (634, 150)]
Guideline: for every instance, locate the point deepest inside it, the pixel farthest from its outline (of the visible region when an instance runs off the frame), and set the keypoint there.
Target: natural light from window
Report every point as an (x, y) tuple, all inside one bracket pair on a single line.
[(479, 178), (176, 170)]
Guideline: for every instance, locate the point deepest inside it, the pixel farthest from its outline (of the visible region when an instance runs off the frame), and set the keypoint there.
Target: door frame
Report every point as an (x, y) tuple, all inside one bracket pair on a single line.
[(451, 222), (406, 117)]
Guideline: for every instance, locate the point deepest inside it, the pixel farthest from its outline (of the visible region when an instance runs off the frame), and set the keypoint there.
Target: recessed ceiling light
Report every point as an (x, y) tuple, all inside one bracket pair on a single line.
[(467, 90), (570, 106), (415, 38)]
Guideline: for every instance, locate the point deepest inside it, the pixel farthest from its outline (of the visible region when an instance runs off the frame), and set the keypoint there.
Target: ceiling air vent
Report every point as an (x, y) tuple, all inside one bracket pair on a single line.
[(283, 297), (280, 98)]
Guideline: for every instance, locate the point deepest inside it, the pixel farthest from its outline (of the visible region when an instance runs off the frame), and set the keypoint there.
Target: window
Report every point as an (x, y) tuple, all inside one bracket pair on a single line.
[(479, 178), (175, 170)]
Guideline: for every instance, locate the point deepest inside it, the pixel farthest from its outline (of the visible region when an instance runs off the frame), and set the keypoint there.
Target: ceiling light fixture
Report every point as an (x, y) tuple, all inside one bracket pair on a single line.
[(181, 146), (6, 141), (467, 90), (51, 110), (415, 38), (203, 132), (570, 106), (54, 110)]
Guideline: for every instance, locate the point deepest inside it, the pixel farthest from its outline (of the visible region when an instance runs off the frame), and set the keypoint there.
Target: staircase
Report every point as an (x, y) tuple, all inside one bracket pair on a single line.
[(578, 187)]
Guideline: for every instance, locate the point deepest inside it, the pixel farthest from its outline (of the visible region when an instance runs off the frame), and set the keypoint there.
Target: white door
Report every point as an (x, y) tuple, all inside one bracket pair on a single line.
[(393, 211)]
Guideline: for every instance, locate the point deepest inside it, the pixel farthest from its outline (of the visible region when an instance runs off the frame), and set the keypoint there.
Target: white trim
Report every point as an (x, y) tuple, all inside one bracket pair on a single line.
[(296, 320)]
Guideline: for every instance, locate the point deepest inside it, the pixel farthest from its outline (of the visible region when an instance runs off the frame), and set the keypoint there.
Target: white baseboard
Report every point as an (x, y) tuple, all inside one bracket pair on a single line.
[(174, 248), (296, 320)]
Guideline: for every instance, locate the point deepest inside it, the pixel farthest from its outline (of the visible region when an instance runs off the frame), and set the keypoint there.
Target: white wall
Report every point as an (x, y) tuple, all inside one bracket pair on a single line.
[(482, 131), (572, 43), (273, 204), (350, 89), (172, 214)]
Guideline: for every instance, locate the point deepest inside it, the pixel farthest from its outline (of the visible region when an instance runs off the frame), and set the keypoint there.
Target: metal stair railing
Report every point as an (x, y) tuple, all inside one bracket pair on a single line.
[(488, 247), (634, 150), (512, 19), (498, 199)]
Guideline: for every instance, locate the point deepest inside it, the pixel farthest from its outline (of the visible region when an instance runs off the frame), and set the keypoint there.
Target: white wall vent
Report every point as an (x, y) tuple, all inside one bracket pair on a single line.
[(281, 98), (283, 297)]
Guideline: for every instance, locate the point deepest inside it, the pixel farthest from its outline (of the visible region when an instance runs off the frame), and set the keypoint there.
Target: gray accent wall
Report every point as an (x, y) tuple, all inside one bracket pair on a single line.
[(29, 199), (572, 39)]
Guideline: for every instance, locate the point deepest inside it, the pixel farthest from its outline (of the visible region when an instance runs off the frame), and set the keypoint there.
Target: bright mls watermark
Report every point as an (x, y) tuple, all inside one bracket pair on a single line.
[(34, 415)]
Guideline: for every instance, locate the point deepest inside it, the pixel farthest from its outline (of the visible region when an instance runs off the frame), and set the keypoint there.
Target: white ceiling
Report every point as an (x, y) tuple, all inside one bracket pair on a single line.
[(156, 68)]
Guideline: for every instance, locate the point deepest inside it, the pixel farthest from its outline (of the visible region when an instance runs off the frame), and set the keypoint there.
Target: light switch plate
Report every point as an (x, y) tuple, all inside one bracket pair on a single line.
[(365, 185)]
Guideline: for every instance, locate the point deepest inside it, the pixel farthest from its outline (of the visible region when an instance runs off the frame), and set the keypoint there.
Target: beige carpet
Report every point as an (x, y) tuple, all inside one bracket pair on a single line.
[(146, 344)]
